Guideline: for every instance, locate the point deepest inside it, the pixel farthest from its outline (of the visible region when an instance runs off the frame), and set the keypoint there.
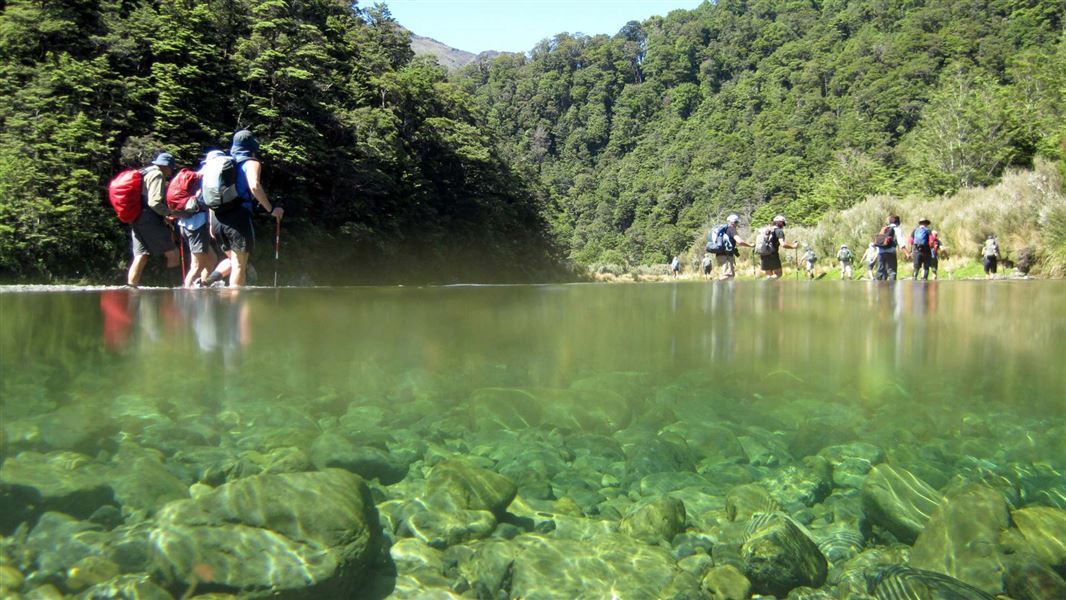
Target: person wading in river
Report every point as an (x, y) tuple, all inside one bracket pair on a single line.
[(768, 244), (921, 241), (150, 232), (727, 261), (845, 256), (888, 246)]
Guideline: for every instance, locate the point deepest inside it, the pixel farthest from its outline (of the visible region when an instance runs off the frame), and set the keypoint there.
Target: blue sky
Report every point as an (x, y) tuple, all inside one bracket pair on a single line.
[(517, 25)]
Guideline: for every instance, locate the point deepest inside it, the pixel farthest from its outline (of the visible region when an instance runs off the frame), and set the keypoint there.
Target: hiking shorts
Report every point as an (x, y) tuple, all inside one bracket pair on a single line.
[(727, 263), (199, 239), (233, 230), (151, 235), (991, 264), (770, 262)]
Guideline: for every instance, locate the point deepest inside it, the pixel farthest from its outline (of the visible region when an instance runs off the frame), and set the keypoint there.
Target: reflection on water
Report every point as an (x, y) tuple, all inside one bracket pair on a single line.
[(594, 402)]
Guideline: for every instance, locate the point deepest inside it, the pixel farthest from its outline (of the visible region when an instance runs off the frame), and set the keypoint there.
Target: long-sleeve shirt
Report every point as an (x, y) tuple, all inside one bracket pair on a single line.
[(153, 192)]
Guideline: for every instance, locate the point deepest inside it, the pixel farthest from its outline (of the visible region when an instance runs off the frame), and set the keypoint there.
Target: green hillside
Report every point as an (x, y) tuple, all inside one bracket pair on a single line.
[(636, 142)]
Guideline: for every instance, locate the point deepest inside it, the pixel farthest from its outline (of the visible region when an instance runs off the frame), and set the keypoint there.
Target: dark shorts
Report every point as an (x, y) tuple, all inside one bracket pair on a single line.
[(151, 234), (770, 262), (199, 240), (991, 263), (233, 230)]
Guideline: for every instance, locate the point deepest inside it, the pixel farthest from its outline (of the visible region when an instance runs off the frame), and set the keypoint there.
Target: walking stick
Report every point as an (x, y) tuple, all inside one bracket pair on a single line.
[(277, 248), (796, 256), (175, 236)]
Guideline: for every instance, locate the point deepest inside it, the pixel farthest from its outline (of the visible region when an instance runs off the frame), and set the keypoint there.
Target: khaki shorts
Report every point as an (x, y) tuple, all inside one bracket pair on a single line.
[(725, 263)]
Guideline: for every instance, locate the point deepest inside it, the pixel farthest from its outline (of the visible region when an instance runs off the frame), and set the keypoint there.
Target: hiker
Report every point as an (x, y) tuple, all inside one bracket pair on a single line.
[(150, 232), (888, 246), (845, 256), (723, 243), (923, 252), (706, 264), (991, 256), (232, 222), (195, 231), (675, 266), (768, 244), (869, 258), (934, 252), (809, 258)]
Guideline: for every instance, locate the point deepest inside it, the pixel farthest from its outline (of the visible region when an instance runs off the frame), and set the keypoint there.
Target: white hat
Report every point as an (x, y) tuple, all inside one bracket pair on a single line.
[(732, 219)]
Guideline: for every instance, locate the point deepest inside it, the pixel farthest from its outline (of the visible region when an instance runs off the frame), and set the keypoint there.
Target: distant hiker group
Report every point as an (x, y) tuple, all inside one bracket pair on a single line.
[(209, 211), (923, 246)]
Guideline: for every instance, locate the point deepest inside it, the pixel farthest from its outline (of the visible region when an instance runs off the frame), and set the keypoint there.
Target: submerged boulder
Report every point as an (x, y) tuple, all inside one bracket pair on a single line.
[(726, 582), (779, 557), (333, 450), (655, 521), (461, 485), (589, 410), (905, 582), (302, 535), (61, 481), (1043, 530), (896, 500)]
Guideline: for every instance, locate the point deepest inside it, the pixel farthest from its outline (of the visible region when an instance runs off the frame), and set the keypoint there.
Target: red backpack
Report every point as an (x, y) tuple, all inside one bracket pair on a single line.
[(181, 193), (124, 192)]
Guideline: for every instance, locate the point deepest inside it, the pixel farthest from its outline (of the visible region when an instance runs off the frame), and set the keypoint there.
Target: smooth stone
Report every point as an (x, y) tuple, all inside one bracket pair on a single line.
[(851, 462), (488, 567), (898, 582), (657, 455), (80, 427), (1044, 532), (658, 484), (89, 571), (333, 450), (61, 481), (44, 592), (460, 485), (696, 565), (896, 500), (438, 529), (10, 579), (548, 568), (411, 555), (794, 487), (743, 501), (807, 593), (1028, 579), (961, 538), (655, 521), (59, 541), (306, 535), (726, 582), (516, 409), (128, 587), (779, 557), (143, 484), (758, 453)]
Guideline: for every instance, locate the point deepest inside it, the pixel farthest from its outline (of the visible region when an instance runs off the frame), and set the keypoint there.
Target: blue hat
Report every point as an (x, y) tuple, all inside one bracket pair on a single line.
[(165, 159), (244, 141)]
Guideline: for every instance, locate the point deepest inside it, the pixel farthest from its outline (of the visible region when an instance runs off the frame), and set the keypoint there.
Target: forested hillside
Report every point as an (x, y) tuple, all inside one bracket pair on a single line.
[(374, 154), (636, 141)]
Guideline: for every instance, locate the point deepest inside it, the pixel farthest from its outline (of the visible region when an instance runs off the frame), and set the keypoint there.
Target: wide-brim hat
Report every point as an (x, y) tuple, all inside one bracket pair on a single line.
[(924, 221), (165, 159)]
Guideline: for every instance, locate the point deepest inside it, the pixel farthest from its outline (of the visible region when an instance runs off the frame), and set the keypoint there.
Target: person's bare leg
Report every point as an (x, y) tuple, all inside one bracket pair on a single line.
[(133, 277), (239, 262), (173, 260)]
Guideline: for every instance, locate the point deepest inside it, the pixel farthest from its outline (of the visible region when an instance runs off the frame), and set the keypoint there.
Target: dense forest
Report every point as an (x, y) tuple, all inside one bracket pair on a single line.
[(383, 166), (638, 141), (617, 149)]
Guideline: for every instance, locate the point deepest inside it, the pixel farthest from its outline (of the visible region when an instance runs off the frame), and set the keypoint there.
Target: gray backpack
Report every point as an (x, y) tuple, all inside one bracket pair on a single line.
[(764, 244), (219, 182)]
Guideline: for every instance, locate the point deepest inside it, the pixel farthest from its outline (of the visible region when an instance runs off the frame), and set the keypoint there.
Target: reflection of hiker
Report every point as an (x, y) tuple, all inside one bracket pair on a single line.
[(706, 264), (934, 251), (888, 242), (149, 231), (768, 243), (869, 258), (675, 266), (991, 256), (923, 252), (845, 256), (809, 258), (725, 246)]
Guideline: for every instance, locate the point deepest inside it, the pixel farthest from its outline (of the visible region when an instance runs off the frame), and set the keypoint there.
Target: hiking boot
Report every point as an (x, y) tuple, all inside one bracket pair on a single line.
[(218, 284)]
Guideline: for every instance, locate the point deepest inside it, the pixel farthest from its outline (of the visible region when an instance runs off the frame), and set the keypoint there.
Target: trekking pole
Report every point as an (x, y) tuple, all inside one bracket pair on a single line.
[(796, 256), (175, 236), (277, 248)]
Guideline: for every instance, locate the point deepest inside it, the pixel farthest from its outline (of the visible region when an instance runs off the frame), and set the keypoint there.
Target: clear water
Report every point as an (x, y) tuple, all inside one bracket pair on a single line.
[(948, 364)]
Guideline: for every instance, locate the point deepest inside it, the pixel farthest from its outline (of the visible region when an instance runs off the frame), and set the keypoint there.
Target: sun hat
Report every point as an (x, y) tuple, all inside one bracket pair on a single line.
[(780, 218), (165, 159), (732, 219)]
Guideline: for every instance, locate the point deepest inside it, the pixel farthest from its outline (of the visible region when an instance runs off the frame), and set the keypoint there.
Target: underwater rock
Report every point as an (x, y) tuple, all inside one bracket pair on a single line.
[(1028, 579), (332, 450), (306, 535), (458, 484), (851, 462), (658, 484), (143, 484), (655, 521), (896, 500), (1044, 532), (59, 481), (412, 557), (10, 579), (779, 557), (743, 501), (807, 593), (440, 529), (761, 454), (593, 411), (657, 455), (89, 571), (545, 567), (726, 583), (59, 541), (80, 427), (961, 538), (794, 487), (127, 587), (213, 465), (487, 568), (904, 583)]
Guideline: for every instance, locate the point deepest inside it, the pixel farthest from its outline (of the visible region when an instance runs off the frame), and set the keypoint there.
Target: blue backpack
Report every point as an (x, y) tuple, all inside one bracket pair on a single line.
[(719, 242), (921, 237)]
